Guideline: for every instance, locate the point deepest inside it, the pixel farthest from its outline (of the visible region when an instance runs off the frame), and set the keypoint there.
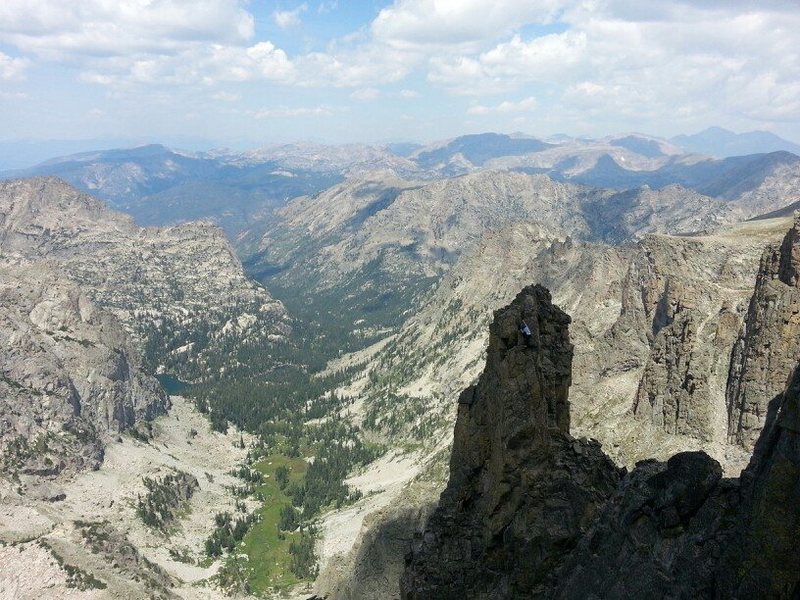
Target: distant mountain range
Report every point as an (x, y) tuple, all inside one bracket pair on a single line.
[(161, 186), (22, 154), (478, 149)]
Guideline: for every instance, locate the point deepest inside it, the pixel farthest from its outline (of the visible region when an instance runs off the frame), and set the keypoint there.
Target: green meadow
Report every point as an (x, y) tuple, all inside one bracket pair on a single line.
[(266, 547)]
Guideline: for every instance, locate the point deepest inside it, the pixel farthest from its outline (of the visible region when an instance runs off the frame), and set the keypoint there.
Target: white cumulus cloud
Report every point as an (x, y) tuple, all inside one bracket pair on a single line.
[(94, 28), (512, 63), (662, 61), (289, 18), (437, 22)]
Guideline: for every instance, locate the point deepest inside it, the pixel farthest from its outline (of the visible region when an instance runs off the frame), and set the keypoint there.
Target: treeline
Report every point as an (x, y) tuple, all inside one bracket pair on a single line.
[(259, 406)]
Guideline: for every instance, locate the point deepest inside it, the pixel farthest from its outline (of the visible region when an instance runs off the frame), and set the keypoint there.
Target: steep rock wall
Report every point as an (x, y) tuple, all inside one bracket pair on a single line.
[(521, 489), (768, 346), (68, 374)]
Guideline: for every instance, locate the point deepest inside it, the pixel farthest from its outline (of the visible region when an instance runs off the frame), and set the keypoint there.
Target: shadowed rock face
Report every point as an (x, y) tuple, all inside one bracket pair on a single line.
[(531, 512), (677, 530), (769, 342), (762, 558), (521, 489)]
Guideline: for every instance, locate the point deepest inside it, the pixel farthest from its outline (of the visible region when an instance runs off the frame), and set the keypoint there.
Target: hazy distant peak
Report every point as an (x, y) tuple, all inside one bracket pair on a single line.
[(717, 141), (478, 148), (645, 145)]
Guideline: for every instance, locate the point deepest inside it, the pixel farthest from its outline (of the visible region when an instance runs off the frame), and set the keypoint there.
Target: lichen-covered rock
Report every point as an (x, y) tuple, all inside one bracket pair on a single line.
[(769, 342)]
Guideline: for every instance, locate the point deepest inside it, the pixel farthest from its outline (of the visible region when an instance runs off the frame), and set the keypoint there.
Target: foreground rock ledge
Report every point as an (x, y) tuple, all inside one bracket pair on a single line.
[(530, 511)]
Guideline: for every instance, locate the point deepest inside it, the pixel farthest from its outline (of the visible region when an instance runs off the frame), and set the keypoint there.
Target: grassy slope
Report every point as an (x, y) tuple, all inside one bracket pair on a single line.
[(269, 557)]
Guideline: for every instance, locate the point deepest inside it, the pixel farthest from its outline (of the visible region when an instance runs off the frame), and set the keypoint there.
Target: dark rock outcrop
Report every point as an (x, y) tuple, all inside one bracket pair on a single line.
[(658, 537), (769, 341), (531, 512), (763, 557), (677, 530), (521, 490)]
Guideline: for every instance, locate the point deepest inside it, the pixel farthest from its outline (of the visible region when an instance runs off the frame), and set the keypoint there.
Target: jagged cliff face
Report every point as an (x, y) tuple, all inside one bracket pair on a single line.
[(487, 234), (543, 515), (512, 453), (180, 290), (762, 558), (654, 327), (68, 374), (677, 529), (768, 345), (383, 241), (683, 299)]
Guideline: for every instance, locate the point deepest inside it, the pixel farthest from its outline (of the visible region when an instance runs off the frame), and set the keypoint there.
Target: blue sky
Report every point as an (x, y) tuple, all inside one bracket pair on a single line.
[(253, 72)]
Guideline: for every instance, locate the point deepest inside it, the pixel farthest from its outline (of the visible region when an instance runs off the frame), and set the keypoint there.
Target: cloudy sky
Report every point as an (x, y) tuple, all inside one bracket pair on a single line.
[(258, 71)]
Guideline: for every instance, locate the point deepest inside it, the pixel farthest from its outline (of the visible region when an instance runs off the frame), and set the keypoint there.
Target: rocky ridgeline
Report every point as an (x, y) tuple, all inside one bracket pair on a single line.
[(68, 374), (654, 326), (530, 511), (454, 250), (179, 290), (415, 229)]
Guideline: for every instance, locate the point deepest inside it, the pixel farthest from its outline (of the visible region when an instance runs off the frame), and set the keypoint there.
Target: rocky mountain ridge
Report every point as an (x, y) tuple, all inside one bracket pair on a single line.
[(381, 241), (632, 304), (628, 303), (90, 302), (631, 288), (658, 307), (434, 218)]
